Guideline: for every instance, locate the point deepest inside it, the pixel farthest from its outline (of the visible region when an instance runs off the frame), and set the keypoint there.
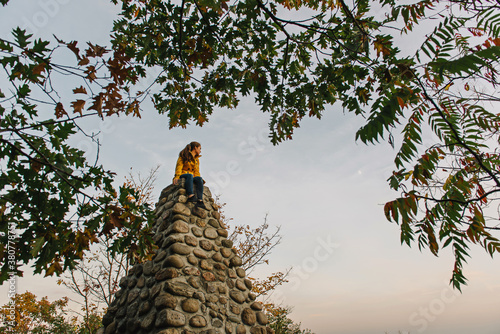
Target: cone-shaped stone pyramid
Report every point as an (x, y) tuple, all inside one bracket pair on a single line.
[(193, 284)]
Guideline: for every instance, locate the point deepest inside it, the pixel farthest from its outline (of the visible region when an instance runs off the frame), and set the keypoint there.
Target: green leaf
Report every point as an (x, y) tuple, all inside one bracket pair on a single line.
[(37, 246)]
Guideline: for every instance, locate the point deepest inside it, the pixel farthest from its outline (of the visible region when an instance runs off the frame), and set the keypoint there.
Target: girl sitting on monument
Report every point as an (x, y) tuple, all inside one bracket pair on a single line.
[(188, 168)]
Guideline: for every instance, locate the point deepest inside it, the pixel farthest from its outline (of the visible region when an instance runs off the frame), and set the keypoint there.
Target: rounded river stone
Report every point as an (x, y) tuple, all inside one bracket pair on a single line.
[(190, 240), (191, 271), (240, 272), (197, 231), (208, 276), (168, 317), (211, 233), (262, 318), (198, 321), (165, 300), (237, 296), (222, 232), (236, 261), (174, 261), (206, 245), (181, 209), (204, 264), (180, 226), (248, 316), (165, 273), (199, 253), (181, 249), (190, 305)]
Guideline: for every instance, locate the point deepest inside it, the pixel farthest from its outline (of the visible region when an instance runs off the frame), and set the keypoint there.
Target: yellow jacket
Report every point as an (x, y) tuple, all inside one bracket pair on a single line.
[(187, 167)]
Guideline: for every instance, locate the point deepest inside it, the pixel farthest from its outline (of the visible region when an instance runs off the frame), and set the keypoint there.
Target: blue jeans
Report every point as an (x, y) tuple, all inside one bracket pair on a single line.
[(198, 183)]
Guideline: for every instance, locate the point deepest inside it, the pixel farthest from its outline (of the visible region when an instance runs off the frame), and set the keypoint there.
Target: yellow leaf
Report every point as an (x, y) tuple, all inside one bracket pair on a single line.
[(54, 268)]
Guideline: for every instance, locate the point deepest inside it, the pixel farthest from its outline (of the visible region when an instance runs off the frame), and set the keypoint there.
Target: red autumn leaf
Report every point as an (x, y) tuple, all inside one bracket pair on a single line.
[(481, 194), (401, 102), (476, 32)]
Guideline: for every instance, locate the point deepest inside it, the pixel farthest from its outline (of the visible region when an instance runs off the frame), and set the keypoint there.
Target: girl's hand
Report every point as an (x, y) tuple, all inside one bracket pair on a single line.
[(176, 181)]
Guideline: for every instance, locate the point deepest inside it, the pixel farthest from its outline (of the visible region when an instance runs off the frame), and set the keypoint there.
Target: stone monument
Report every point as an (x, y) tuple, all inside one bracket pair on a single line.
[(193, 284)]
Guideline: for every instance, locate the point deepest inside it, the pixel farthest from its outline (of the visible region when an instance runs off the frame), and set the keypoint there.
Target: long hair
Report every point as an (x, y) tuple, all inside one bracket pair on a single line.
[(185, 154)]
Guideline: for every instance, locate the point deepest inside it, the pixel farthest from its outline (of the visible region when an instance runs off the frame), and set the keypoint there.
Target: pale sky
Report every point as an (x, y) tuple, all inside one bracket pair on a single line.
[(351, 275)]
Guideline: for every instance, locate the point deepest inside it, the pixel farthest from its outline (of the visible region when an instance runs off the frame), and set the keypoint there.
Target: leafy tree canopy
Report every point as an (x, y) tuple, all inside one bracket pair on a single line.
[(299, 57), (296, 58), (32, 316), (51, 192), (35, 316), (280, 322)]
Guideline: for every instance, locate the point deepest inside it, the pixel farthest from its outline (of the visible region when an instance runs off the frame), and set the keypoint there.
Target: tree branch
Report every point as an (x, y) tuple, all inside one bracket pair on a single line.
[(455, 134)]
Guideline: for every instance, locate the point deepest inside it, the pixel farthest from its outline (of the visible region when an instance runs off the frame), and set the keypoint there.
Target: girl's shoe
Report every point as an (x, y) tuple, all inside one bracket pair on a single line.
[(192, 199), (200, 204)]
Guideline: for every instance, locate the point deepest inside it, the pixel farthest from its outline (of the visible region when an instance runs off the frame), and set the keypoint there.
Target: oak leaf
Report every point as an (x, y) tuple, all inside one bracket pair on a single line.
[(55, 267), (382, 47), (38, 69), (80, 90), (78, 106), (95, 50), (60, 112), (97, 105), (84, 61), (72, 47), (91, 73)]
